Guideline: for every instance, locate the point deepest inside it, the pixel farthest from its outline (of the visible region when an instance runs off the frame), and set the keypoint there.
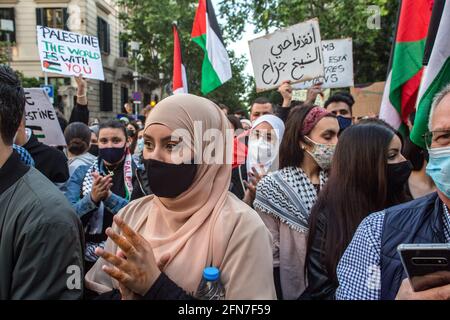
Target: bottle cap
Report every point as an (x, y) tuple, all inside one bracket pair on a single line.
[(211, 273)]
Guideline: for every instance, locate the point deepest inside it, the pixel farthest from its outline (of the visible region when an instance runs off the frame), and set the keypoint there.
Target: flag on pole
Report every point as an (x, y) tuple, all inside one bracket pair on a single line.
[(403, 81), (179, 81), (437, 72), (216, 68)]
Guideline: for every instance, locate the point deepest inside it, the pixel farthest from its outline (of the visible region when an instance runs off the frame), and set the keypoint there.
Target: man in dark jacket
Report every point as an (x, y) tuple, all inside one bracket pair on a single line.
[(40, 236), (370, 268)]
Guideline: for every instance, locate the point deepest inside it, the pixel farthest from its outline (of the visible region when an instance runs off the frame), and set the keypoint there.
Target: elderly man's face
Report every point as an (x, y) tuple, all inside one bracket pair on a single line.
[(440, 124)]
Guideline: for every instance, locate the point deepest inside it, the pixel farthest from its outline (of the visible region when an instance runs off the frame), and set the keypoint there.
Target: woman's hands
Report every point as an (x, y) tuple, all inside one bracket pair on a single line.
[(134, 266)]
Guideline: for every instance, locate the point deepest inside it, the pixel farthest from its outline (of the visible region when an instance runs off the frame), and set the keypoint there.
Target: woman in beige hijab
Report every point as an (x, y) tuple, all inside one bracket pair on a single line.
[(192, 221)]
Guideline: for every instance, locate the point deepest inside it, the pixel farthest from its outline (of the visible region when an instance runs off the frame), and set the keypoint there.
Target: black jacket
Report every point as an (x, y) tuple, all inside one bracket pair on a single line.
[(163, 289), (80, 113), (51, 162), (320, 285)]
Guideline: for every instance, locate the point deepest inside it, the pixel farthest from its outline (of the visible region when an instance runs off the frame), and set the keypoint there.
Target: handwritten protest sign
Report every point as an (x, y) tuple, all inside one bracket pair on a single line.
[(40, 116), (292, 53), (69, 53), (338, 65)]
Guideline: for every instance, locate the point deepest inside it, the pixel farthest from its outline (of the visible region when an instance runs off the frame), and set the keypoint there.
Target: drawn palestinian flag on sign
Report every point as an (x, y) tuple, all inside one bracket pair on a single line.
[(52, 66), (37, 131)]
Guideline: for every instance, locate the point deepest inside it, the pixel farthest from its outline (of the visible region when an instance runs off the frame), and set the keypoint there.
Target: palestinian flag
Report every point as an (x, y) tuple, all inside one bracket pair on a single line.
[(52, 66), (216, 68), (403, 81), (37, 131), (179, 81), (437, 72)]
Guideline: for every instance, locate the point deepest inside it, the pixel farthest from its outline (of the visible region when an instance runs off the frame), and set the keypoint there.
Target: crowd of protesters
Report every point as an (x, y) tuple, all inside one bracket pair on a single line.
[(298, 202)]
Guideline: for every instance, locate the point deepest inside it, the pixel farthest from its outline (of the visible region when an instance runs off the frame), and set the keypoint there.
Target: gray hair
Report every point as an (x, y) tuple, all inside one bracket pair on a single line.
[(437, 99)]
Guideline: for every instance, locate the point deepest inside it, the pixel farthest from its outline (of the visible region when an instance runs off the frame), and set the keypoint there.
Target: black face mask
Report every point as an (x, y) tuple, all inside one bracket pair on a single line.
[(397, 175), (93, 150), (111, 155), (169, 180)]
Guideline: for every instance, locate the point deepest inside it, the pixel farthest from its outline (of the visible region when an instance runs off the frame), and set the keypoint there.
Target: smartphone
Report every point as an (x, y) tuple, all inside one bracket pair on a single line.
[(427, 265)]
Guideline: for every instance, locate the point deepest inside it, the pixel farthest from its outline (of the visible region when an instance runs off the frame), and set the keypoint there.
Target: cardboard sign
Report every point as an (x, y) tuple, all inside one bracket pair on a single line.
[(292, 53), (40, 116), (367, 99), (69, 53), (338, 65)]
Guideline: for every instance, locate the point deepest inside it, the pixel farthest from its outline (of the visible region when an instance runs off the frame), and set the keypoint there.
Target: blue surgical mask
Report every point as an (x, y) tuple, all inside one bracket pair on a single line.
[(344, 122), (139, 146), (438, 168)]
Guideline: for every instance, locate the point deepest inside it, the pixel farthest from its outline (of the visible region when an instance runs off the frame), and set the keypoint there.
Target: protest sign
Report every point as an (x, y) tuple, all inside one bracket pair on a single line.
[(40, 116), (302, 95), (292, 53), (338, 65), (367, 99), (69, 53)]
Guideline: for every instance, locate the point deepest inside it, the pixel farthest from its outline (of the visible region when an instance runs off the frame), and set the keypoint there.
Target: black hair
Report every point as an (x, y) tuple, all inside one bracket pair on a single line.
[(78, 138), (114, 124), (291, 154), (223, 107), (342, 96), (415, 154), (235, 122), (261, 100), (296, 103), (12, 104), (363, 148)]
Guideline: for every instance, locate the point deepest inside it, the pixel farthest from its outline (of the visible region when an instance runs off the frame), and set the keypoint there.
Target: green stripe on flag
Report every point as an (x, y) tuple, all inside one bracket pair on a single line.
[(210, 79), (408, 57), (424, 108)]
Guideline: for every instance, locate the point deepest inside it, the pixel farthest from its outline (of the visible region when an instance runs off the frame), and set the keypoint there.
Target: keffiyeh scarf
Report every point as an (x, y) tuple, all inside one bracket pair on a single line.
[(288, 195), (95, 224)]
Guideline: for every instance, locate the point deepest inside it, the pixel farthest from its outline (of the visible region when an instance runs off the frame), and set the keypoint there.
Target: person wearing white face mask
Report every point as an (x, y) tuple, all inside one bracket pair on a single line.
[(424, 220), (263, 147), (264, 143), (285, 197)]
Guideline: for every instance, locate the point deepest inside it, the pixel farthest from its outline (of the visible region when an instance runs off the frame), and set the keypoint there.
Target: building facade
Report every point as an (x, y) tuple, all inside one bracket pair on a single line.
[(93, 17)]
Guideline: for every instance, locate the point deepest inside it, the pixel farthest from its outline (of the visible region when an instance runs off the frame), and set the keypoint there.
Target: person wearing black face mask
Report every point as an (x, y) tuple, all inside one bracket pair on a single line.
[(341, 105), (368, 174), (93, 149), (98, 191), (192, 221)]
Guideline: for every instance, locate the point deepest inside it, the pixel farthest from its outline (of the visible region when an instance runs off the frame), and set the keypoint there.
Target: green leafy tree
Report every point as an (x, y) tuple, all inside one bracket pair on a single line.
[(3, 52), (150, 23)]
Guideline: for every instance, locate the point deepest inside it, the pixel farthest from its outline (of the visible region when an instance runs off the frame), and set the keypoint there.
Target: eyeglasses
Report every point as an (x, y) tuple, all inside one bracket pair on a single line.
[(437, 139)]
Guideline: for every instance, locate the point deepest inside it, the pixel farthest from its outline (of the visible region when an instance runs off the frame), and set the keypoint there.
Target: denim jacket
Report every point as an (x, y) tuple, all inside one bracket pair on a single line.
[(84, 205)]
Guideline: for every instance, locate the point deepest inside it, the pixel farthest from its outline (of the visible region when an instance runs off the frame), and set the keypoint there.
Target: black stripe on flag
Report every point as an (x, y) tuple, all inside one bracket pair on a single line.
[(213, 20), (436, 15)]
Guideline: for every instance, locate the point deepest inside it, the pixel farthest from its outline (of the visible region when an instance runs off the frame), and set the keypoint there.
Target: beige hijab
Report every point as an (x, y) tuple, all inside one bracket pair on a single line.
[(198, 228)]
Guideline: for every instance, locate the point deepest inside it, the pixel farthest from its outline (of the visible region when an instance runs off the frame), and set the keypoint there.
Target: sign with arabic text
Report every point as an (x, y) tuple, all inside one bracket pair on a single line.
[(338, 65), (293, 53)]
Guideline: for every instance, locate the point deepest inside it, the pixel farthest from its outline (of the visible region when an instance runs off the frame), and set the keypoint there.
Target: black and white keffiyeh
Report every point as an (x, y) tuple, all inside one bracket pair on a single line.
[(288, 195), (95, 223)]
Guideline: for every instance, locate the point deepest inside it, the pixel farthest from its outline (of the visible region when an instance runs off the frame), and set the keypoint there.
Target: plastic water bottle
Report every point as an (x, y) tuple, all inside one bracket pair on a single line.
[(210, 287)]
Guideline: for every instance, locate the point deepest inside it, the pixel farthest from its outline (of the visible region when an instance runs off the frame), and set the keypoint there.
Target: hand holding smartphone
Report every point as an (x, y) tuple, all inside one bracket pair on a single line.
[(427, 265)]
